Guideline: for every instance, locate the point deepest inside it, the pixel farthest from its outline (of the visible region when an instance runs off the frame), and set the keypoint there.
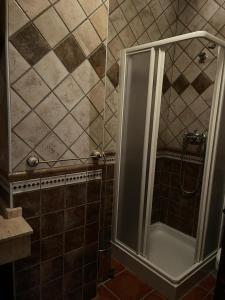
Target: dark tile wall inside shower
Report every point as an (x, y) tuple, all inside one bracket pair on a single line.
[(169, 205)]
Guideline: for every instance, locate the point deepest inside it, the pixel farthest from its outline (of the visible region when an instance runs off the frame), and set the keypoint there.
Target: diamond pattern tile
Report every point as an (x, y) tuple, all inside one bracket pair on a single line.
[(19, 109), (201, 83), (19, 150), (180, 84), (36, 8), (17, 17), (30, 44), (98, 60)]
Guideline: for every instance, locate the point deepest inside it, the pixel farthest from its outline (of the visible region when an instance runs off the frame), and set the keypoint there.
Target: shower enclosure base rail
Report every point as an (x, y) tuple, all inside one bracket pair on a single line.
[(172, 289)]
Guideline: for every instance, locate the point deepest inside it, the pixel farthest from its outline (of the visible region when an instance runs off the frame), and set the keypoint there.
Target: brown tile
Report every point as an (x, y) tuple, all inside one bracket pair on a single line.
[(73, 280), (104, 294), (74, 239), (91, 233), (98, 59), (90, 291), (110, 173), (30, 44), (113, 74), (75, 194), (196, 294), (92, 214), (208, 283), (180, 84), (27, 279), (75, 295), (35, 225), (52, 223), (52, 199), (52, 290), (74, 217), (51, 269), (155, 296), (73, 260), (166, 84), (51, 247), (90, 273), (30, 202), (70, 53), (201, 83), (93, 191), (33, 294), (31, 260), (117, 266), (90, 253), (128, 287)]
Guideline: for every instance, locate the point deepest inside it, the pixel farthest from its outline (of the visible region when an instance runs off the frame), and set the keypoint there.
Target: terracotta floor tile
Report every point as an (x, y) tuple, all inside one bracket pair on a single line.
[(209, 297), (127, 286), (196, 294), (118, 267), (208, 283), (155, 296), (104, 294)]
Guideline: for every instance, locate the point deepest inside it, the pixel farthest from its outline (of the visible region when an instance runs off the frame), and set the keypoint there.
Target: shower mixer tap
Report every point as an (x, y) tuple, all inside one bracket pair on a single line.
[(194, 138)]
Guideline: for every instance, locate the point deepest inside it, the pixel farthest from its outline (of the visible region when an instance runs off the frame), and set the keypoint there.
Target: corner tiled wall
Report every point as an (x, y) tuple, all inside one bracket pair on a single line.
[(57, 78), (64, 250)]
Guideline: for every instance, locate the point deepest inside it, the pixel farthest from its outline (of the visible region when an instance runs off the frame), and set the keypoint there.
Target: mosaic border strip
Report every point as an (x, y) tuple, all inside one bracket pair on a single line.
[(53, 181)]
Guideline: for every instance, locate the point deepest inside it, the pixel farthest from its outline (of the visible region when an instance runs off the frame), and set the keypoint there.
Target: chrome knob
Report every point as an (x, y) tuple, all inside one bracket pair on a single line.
[(32, 161)]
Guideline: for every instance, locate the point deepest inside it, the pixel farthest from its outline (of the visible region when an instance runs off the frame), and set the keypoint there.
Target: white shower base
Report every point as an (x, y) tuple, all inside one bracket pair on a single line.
[(170, 250)]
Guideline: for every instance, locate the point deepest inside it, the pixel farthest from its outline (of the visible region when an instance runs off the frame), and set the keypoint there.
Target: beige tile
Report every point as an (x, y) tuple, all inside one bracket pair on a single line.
[(68, 130), (146, 17), (31, 88), (111, 126), (51, 69), (34, 7), (140, 4), (115, 46), (84, 113), (18, 107), (32, 129), (51, 110), (85, 76), (127, 36), (18, 150), (51, 148), (97, 96), (198, 106), (17, 17), (68, 155), (90, 6), (17, 64), (71, 13), (137, 26), (51, 27), (87, 37), (84, 146), (69, 92), (99, 20), (95, 130), (156, 8), (129, 10), (118, 20), (208, 9)]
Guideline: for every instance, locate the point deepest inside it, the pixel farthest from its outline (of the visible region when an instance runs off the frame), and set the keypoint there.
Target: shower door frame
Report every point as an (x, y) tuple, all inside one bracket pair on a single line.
[(218, 95)]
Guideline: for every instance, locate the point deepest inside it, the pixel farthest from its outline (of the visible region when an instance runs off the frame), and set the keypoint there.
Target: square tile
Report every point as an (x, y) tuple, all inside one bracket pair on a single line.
[(99, 20), (69, 92), (198, 106), (118, 20), (51, 247), (197, 293), (51, 147), (129, 10), (52, 223), (137, 27), (85, 76), (74, 217), (17, 17), (127, 36), (51, 110), (51, 269), (19, 150), (19, 109), (128, 286), (87, 37), (98, 60), (17, 64), (201, 83), (51, 27), (68, 130), (35, 8), (31, 88), (90, 6), (30, 44), (71, 13), (95, 130), (180, 84), (32, 129), (84, 113), (97, 96), (83, 146), (115, 46), (51, 69), (70, 54), (113, 74)]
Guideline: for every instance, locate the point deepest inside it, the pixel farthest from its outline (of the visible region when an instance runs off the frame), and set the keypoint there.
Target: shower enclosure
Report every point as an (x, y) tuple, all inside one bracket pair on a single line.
[(170, 165)]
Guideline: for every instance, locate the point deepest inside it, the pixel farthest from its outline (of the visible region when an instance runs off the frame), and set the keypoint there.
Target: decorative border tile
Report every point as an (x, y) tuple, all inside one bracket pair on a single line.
[(53, 181)]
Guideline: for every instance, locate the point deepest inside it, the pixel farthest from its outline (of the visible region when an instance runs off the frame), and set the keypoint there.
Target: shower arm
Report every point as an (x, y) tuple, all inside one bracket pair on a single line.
[(34, 161)]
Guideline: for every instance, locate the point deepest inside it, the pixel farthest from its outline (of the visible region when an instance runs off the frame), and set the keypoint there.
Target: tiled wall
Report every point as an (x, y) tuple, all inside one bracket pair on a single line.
[(57, 78), (169, 205), (131, 22), (65, 243)]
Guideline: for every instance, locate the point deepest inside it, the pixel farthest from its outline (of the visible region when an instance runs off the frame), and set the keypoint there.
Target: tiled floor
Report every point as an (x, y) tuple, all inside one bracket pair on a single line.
[(127, 286)]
